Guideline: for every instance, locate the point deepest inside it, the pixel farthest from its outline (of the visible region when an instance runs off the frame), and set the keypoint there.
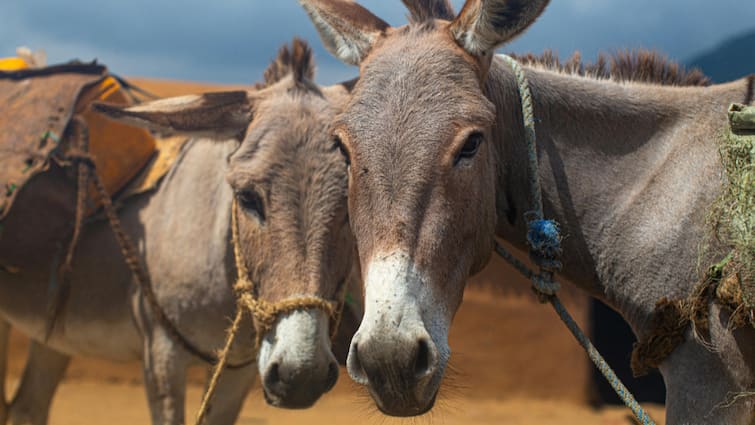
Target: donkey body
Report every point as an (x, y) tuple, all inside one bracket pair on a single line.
[(434, 137), (285, 169), (630, 171)]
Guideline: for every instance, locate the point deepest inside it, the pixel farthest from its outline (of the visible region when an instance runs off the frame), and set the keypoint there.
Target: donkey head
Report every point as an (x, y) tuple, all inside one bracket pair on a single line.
[(421, 177), (290, 185)]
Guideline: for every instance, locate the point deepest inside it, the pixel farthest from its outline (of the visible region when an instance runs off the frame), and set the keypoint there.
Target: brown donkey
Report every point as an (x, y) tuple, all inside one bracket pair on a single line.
[(433, 134), (290, 185)]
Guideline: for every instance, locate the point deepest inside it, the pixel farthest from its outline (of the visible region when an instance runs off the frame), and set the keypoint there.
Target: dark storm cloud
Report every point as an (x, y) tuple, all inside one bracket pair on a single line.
[(232, 40)]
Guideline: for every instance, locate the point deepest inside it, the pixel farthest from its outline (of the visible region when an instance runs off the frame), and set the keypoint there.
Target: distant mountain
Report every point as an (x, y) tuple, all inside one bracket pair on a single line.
[(733, 58)]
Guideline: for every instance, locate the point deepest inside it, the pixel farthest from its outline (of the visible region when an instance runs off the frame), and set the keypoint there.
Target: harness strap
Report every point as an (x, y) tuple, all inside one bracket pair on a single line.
[(87, 170), (60, 292), (143, 280)]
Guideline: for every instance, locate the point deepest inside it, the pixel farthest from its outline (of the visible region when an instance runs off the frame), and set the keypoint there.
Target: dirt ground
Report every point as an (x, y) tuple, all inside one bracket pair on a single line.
[(88, 403), (513, 362)]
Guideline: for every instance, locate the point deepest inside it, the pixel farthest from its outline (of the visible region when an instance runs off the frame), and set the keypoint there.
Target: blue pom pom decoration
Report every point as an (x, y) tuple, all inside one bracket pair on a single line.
[(544, 238)]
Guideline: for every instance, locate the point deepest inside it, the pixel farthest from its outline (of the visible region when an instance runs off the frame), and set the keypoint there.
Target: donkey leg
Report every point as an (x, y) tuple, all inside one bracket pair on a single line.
[(233, 386), (164, 377), (4, 335), (44, 369), (702, 382)]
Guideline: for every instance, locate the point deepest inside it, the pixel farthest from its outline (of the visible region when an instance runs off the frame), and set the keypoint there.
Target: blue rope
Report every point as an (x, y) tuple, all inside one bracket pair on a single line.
[(544, 240)]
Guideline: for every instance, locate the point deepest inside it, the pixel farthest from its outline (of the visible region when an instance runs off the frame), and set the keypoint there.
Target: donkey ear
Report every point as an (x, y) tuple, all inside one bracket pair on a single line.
[(221, 115), (483, 25), (346, 29)]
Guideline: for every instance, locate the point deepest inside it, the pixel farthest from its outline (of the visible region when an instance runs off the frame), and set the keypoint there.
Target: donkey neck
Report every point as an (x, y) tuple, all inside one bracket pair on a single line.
[(190, 214), (627, 170)]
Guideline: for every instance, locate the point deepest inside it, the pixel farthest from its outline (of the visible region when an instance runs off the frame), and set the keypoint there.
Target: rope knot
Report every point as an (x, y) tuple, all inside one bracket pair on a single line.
[(544, 286), (243, 285), (544, 239)]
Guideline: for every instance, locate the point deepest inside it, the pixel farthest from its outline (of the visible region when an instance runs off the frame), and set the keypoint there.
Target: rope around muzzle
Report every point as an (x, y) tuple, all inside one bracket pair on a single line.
[(263, 313), (544, 242)]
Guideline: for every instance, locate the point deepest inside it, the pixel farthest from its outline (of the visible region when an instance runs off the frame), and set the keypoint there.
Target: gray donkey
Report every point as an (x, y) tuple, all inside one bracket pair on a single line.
[(289, 182), (434, 137)]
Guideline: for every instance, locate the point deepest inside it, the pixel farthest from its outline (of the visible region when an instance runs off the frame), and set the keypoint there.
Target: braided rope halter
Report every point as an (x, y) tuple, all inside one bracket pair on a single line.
[(264, 313)]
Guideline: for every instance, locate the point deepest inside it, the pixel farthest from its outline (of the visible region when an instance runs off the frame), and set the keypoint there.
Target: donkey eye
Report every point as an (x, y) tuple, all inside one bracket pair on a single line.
[(470, 148), (251, 202), (341, 148)]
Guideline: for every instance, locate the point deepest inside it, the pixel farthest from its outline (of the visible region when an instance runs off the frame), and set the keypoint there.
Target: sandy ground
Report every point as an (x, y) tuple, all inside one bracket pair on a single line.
[(513, 363), (87, 403), (521, 368)]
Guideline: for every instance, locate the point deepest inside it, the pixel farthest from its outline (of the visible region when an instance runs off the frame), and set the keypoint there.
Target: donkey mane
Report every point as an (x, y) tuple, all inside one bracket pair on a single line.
[(636, 65), (296, 60)]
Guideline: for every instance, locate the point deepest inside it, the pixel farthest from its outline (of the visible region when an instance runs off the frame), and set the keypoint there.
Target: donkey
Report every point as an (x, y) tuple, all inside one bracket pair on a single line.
[(290, 185), (434, 139)]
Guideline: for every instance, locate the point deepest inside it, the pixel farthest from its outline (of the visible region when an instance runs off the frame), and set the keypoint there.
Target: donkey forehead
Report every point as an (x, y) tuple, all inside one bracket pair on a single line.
[(306, 171), (290, 116), (287, 131), (417, 82)]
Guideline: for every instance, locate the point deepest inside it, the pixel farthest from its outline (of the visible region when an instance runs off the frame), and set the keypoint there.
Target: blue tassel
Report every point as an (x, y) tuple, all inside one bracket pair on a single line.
[(544, 238)]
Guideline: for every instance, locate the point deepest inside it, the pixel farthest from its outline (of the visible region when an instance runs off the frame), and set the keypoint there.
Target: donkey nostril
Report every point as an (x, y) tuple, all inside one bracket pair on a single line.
[(272, 377), (354, 365), (332, 376), (423, 360)]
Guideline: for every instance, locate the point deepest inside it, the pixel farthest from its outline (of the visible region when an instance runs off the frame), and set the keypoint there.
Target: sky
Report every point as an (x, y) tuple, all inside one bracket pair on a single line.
[(232, 41)]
